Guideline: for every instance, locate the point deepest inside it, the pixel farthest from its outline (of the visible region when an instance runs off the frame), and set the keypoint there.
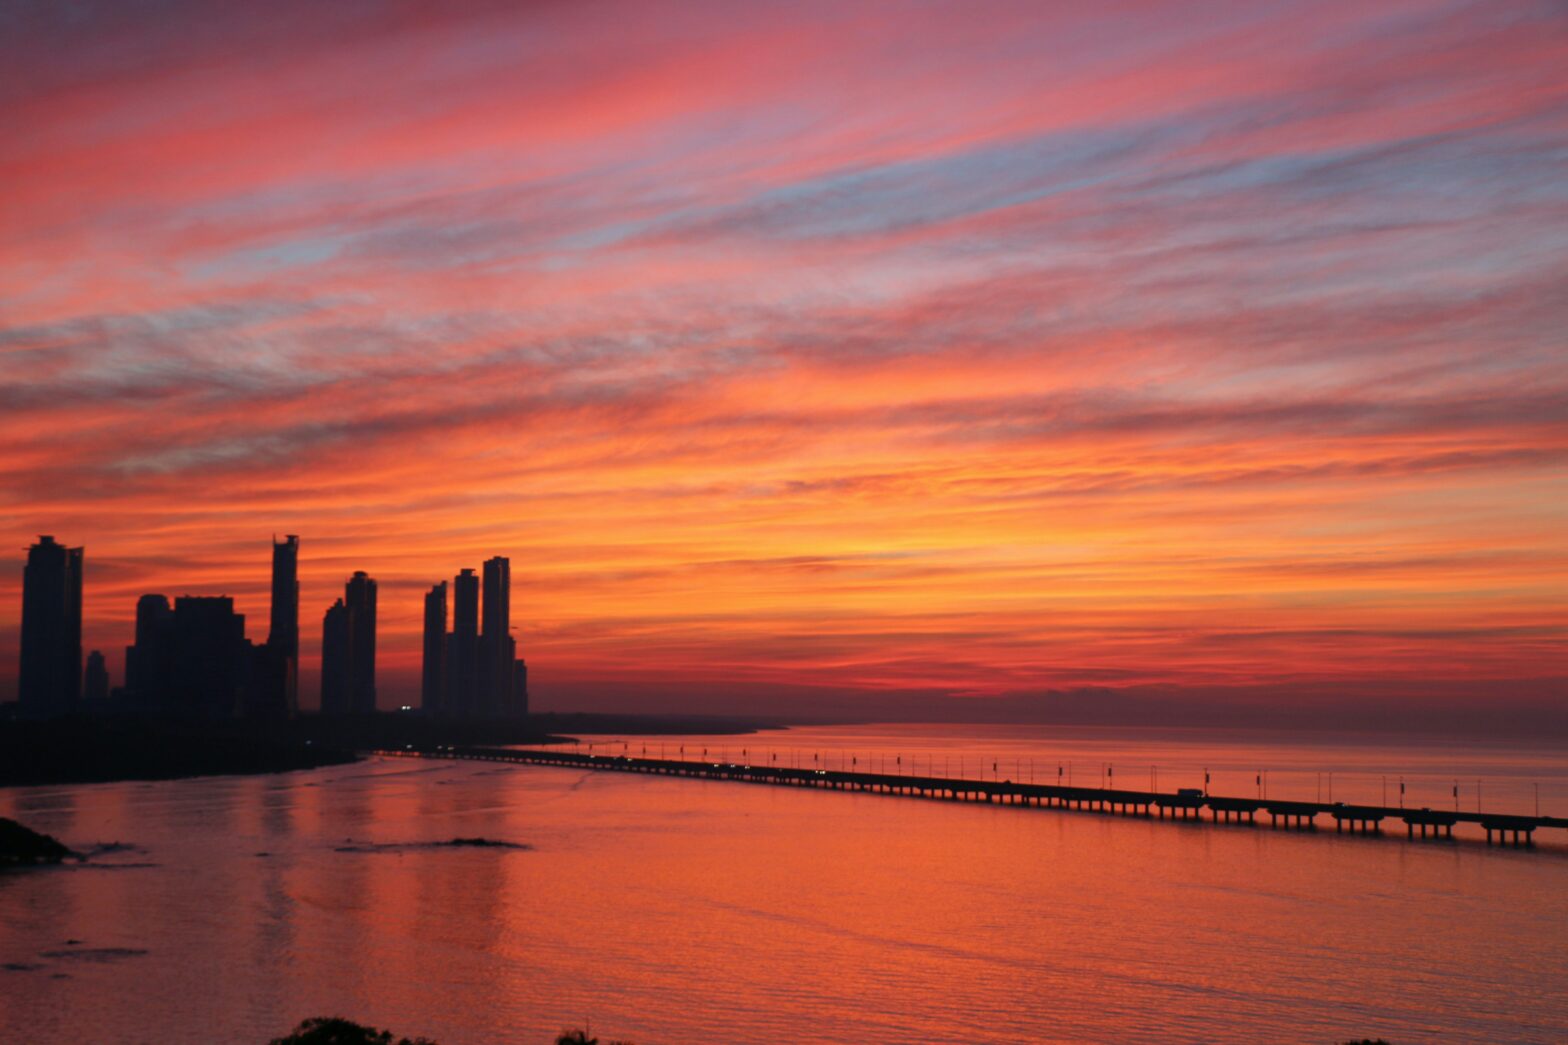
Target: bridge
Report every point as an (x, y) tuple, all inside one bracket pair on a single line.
[(1185, 804)]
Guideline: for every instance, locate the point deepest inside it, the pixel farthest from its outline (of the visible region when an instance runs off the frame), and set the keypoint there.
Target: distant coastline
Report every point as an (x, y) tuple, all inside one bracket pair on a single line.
[(88, 750)]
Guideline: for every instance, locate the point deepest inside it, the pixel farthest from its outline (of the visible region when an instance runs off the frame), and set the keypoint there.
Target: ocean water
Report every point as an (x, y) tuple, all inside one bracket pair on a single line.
[(664, 910)]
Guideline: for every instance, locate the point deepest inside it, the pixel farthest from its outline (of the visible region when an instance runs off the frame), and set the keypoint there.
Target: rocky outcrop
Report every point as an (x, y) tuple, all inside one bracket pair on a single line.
[(22, 845)]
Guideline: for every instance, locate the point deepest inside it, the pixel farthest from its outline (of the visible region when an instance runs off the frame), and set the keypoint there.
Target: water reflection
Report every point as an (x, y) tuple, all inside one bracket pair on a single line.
[(1322, 767), (670, 910)]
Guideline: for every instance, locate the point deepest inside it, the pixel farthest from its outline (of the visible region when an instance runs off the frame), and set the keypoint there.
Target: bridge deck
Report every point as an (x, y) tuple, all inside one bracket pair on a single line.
[(1129, 801)]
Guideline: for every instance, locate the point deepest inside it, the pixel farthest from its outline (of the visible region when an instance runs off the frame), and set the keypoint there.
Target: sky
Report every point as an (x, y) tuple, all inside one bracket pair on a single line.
[(837, 359)]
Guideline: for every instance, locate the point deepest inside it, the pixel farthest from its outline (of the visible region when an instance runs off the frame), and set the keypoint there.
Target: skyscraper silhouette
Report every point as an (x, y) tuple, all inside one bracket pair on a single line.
[(360, 597), (432, 689), (283, 636), (51, 660), (212, 660), (495, 642), (483, 677), (195, 661), (462, 650), (337, 663), (148, 661)]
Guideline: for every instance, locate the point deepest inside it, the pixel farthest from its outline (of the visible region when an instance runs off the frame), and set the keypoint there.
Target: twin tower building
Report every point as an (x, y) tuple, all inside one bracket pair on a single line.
[(473, 671)]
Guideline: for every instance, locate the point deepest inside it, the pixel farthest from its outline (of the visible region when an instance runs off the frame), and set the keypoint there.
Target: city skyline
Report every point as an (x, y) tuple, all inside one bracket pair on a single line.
[(195, 641), (482, 609)]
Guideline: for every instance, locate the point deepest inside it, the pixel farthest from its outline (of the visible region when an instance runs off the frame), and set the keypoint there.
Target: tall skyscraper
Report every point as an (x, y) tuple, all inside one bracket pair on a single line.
[(337, 660), (51, 660), (283, 636), (479, 667), (495, 657), (462, 652), (360, 597), (432, 688)]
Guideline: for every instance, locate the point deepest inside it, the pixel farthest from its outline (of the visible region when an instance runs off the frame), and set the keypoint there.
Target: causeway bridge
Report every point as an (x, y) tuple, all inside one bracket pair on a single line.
[(1182, 804)]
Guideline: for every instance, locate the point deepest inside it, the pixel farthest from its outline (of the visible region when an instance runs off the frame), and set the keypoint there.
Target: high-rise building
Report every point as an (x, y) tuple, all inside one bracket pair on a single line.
[(51, 656), (482, 675), (95, 686), (432, 688), (337, 663), (148, 661), (495, 657), (462, 651), (210, 666), (194, 661), (283, 636), (360, 597)]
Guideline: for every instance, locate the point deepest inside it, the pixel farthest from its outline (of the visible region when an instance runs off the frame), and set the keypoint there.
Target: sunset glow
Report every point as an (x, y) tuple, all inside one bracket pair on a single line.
[(811, 356)]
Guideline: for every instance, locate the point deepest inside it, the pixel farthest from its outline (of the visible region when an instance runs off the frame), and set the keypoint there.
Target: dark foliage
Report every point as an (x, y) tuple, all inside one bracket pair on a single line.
[(337, 1031), (580, 1037)]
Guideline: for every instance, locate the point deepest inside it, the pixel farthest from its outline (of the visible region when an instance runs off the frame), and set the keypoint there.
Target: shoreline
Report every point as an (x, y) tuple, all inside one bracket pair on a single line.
[(102, 750)]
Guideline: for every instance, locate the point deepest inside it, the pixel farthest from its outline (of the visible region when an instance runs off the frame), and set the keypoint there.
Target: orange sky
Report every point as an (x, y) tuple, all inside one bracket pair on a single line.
[(837, 354)]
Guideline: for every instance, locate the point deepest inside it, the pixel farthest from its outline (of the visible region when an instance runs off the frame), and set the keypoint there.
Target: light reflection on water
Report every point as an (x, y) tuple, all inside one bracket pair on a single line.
[(1506, 777), (668, 910)]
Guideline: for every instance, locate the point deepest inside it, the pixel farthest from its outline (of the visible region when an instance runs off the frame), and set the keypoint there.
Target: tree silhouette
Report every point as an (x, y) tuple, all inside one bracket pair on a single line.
[(334, 1030), (580, 1037)]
